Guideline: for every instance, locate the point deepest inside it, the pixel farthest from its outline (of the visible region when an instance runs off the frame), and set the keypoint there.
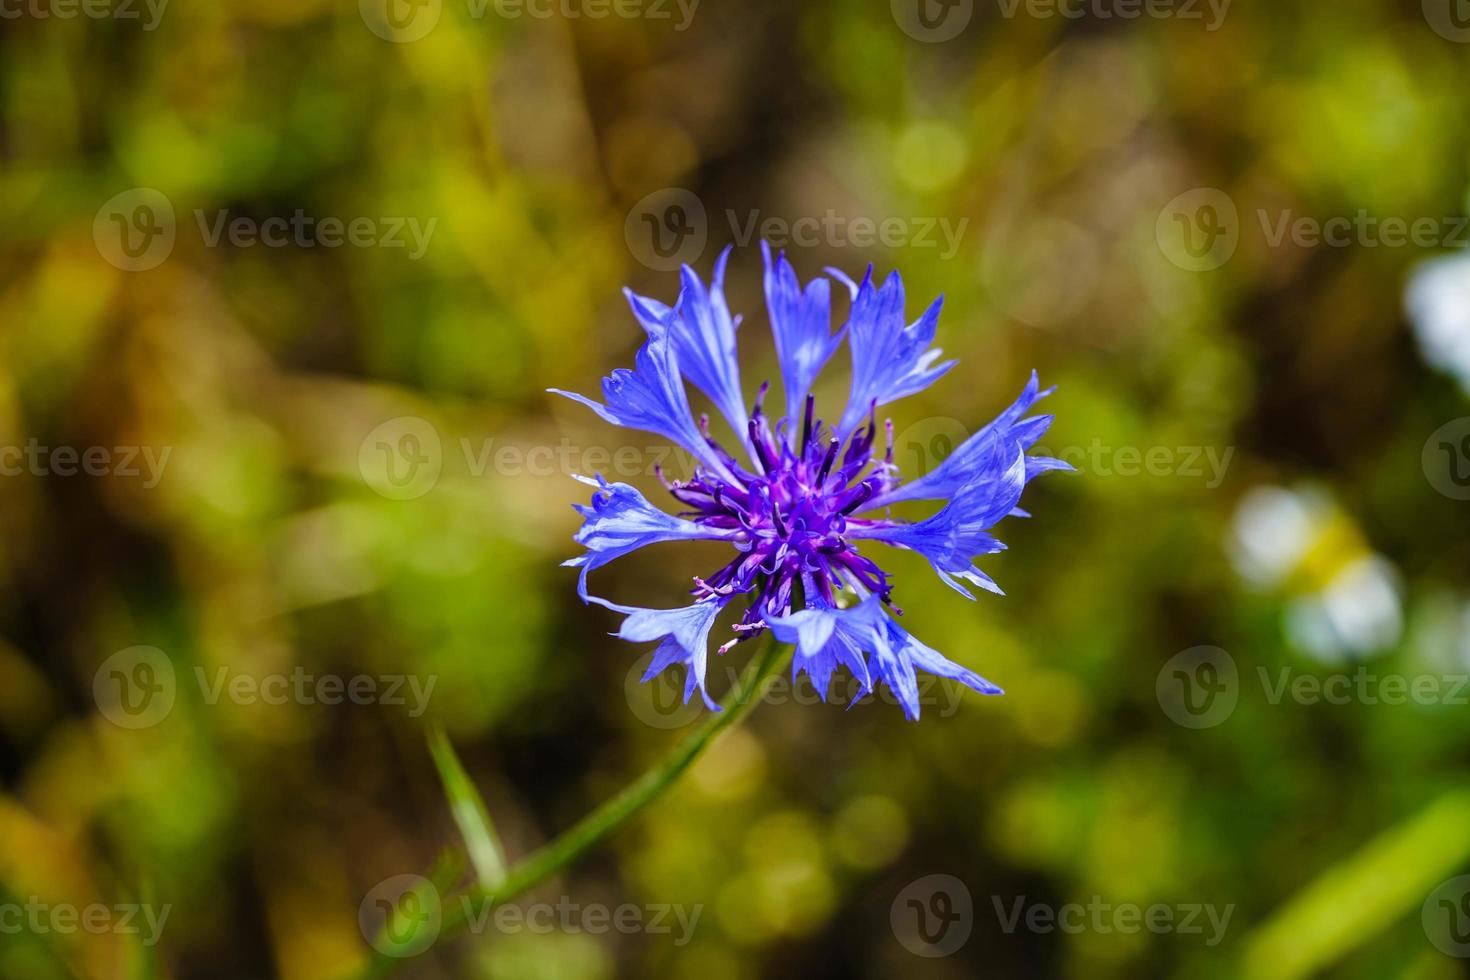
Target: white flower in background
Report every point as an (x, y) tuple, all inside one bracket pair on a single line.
[(1356, 615), (1438, 304), (1272, 530), (1342, 600)]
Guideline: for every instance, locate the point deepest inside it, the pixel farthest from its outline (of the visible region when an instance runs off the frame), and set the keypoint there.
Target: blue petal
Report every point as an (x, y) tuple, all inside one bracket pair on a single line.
[(969, 461), (801, 322), (651, 397), (703, 334), (954, 537), (825, 637), (683, 636), (889, 360), (1037, 465), (899, 655), (621, 520)]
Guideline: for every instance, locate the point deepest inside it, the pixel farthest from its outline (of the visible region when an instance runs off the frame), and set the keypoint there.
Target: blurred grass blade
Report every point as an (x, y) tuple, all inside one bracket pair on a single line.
[(469, 812), (1360, 896)]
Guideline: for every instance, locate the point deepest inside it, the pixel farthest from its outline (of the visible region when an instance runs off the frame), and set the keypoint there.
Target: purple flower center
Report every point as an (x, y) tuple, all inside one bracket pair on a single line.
[(793, 513)]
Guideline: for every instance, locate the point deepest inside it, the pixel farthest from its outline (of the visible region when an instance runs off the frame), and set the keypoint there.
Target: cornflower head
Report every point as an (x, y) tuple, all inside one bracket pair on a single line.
[(800, 499)]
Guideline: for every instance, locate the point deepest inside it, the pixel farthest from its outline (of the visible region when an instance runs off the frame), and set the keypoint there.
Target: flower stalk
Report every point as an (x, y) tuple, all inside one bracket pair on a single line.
[(598, 825)]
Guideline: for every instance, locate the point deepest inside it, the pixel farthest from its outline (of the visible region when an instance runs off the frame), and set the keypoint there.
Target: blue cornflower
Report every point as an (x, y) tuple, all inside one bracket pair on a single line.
[(811, 495)]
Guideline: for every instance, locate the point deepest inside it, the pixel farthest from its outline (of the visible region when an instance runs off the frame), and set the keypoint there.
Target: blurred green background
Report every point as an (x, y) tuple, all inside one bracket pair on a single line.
[(1122, 198)]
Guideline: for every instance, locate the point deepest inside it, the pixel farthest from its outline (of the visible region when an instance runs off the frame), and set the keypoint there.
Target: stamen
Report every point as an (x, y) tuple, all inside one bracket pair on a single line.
[(864, 491), (828, 461), (781, 528), (806, 423), (759, 444), (713, 590)]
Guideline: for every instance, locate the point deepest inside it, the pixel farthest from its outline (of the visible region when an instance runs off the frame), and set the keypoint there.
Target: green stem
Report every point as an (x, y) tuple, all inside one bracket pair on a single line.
[(597, 825)]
